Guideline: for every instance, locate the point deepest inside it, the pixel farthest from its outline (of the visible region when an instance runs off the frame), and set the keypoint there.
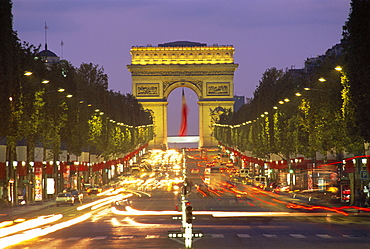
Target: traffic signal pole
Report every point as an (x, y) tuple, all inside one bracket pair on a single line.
[(187, 215)]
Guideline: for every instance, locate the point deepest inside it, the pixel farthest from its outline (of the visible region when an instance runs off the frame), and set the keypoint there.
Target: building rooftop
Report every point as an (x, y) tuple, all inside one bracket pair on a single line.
[(47, 53), (182, 44)]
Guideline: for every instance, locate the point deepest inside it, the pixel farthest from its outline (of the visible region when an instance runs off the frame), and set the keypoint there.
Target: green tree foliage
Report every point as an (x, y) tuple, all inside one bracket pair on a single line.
[(9, 65), (304, 123), (356, 38), (40, 113)]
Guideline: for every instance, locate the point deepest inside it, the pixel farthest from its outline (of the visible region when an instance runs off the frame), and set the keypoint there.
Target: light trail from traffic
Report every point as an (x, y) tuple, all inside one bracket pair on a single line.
[(38, 232), (105, 201), (32, 223)]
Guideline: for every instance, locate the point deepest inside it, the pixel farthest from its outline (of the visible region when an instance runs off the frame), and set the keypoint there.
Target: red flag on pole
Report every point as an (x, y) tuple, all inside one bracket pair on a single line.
[(184, 116)]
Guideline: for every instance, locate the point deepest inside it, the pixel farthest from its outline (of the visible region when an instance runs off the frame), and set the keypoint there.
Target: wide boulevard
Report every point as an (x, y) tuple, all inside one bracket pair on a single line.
[(240, 216)]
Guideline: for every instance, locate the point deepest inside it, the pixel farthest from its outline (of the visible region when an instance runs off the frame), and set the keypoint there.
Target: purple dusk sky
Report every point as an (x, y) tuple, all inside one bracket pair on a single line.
[(265, 34)]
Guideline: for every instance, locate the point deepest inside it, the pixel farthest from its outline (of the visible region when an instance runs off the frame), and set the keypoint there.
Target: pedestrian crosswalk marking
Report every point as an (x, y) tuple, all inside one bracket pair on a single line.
[(152, 236), (298, 236), (46, 239), (99, 237), (348, 236), (244, 235), (324, 236), (74, 238), (269, 235), (126, 237), (217, 235)]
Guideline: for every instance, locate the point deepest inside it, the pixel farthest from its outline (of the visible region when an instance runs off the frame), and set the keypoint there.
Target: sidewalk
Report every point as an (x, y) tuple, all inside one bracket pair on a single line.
[(10, 213), (319, 201)]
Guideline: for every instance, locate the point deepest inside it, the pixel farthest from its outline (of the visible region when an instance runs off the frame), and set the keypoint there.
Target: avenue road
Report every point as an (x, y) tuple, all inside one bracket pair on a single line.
[(267, 220)]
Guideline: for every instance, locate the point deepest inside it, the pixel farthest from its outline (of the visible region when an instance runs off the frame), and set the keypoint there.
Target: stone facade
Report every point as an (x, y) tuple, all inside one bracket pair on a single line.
[(207, 70)]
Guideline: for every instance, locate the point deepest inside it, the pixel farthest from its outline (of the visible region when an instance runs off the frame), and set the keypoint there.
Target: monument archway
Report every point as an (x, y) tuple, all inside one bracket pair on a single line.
[(207, 70)]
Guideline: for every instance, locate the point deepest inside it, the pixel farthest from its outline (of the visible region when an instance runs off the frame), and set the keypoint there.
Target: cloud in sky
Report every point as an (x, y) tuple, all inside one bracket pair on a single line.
[(265, 33)]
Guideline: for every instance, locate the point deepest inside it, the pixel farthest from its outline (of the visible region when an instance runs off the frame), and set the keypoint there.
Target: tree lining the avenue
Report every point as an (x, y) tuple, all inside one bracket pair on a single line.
[(331, 115), (85, 116)]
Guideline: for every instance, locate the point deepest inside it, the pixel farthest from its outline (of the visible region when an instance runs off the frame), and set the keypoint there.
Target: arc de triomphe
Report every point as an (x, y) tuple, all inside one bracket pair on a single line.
[(208, 70)]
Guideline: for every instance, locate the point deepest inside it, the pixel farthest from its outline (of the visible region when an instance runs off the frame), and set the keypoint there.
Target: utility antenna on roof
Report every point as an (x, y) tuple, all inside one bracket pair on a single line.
[(46, 41), (61, 47)]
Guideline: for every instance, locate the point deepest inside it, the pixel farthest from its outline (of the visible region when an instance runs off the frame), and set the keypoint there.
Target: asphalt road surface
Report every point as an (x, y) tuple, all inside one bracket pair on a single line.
[(240, 217)]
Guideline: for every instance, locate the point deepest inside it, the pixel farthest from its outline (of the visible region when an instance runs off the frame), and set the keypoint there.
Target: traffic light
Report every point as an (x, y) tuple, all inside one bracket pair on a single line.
[(189, 214), (184, 190)]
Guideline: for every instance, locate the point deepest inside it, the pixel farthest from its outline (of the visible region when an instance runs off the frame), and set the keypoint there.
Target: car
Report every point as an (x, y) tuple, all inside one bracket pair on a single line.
[(194, 171), (94, 190), (281, 188), (65, 198), (260, 182)]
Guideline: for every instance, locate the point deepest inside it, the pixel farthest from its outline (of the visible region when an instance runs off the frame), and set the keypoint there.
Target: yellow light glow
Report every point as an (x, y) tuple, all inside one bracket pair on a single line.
[(105, 201), (182, 55), (298, 94), (322, 79), (6, 223), (134, 212), (25, 225), (338, 68), (27, 73), (19, 220), (31, 234), (45, 81)]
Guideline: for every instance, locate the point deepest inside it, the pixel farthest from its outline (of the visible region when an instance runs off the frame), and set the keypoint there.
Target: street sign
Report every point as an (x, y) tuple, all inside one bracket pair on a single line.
[(363, 175)]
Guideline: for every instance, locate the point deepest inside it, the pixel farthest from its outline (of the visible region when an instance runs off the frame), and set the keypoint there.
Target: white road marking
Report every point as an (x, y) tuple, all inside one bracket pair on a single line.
[(324, 236), (127, 237), (267, 235), (217, 235), (244, 235), (99, 237), (74, 238), (152, 236), (298, 236)]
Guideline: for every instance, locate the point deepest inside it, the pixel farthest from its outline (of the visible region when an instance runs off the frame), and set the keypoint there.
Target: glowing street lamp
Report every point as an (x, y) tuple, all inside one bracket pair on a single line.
[(27, 73), (322, 79), (338, 68)]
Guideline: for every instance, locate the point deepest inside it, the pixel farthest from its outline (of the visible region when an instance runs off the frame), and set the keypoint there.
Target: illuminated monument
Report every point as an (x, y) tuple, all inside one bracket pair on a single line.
[(207, 70)]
